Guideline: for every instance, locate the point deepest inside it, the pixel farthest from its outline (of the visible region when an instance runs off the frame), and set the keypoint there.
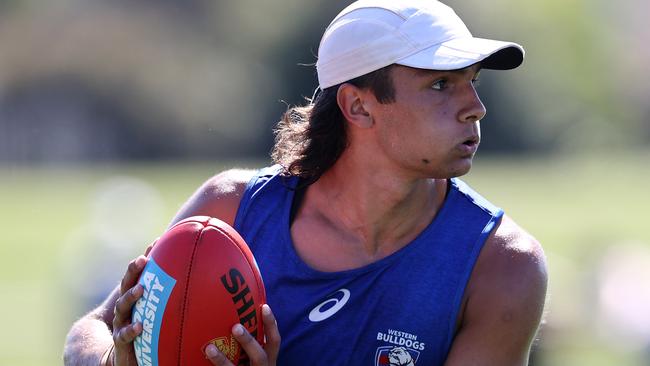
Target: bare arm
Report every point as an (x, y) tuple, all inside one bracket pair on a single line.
[(504, 301), (91, 338), (218, 197)]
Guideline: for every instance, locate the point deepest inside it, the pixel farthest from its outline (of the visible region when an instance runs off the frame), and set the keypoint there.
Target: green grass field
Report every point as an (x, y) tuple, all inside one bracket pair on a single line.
[(67, 231)]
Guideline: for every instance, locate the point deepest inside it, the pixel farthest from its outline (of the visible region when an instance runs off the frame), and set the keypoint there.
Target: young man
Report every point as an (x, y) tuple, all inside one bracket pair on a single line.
[(372, 251)]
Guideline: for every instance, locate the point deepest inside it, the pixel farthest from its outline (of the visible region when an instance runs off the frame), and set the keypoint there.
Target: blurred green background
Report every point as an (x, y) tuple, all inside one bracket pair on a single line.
[(113, 112)]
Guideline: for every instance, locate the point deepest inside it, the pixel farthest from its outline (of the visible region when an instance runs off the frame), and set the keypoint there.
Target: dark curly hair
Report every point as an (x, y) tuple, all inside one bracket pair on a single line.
[(310, 139)]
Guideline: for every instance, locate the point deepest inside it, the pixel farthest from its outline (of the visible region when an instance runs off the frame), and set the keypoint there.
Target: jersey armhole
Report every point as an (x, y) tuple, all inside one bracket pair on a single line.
[(489, 227), (245, 202), (260, 179)]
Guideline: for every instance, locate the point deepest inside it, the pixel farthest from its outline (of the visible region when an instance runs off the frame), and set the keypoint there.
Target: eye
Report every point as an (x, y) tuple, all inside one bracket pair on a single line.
[(476, 79), (439, 84)]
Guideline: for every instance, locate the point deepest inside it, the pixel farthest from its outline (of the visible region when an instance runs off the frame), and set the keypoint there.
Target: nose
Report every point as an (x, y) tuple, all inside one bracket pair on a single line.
[(472, 109)]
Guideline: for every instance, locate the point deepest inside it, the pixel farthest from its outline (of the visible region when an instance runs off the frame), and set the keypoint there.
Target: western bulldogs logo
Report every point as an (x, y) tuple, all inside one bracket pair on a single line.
[(396, 356)]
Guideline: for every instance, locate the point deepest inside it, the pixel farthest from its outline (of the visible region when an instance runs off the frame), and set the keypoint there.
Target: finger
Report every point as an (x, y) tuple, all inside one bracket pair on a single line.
[(253, 349), (124, 304), (272, 334), (217, 358), (132, 273), (126, 335), (148, 250)]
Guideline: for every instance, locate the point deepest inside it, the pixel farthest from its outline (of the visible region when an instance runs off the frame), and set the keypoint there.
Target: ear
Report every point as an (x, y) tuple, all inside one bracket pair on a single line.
[(353, 104)]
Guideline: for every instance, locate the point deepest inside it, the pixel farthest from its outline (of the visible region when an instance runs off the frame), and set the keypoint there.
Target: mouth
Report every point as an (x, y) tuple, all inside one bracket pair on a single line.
[(472, 141), (469, 146)]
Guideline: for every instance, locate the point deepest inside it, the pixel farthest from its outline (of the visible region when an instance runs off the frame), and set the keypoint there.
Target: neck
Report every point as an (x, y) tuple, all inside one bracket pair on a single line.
[(378, 210)]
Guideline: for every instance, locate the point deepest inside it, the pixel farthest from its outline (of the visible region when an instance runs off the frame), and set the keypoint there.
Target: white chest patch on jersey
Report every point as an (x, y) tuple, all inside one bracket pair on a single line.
[(330, 306)]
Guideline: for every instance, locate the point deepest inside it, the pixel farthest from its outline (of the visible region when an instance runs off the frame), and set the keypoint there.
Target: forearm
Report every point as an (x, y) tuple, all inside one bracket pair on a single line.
[(87, 342)]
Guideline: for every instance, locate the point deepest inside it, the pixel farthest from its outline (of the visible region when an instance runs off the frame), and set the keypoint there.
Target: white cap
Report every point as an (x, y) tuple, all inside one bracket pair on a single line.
[(425, 34)]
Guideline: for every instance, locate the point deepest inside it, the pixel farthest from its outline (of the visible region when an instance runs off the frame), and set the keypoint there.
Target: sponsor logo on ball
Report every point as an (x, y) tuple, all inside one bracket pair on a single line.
[(235, 284), (149, 310)]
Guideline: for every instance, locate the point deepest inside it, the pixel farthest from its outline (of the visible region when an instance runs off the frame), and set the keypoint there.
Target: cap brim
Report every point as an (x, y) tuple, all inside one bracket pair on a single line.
[(463, 52)]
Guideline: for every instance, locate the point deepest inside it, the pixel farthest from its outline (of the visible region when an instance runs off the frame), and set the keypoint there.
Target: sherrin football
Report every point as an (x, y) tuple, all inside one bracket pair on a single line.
[(199, 281)]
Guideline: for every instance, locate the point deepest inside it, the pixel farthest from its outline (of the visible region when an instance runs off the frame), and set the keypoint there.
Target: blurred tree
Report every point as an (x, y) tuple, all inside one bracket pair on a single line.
[(573, 83), (63, 120), (204, 79)]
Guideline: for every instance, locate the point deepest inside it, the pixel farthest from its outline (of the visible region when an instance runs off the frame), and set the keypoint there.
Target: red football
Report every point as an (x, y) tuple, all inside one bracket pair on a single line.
[(200, 280)]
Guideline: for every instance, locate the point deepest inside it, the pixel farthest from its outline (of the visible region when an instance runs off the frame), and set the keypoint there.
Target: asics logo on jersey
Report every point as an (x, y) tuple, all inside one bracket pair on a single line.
[(333, 305)]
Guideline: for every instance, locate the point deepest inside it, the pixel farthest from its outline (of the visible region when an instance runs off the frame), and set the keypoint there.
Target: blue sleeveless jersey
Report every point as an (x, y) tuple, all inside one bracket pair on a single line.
[(400, 310)]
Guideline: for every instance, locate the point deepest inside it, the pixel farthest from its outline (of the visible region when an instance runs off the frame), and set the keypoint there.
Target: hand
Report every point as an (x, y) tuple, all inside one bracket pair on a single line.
[(258, 355), (124, 332)]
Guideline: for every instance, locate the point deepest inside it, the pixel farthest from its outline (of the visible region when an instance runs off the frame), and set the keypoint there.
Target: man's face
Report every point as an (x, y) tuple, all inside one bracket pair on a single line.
[(432, 128)]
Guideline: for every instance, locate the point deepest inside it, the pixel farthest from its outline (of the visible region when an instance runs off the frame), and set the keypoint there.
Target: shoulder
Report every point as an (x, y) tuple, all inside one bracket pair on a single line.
[(510, 272), (218, 197), (504, 299), (512, 253), (510, 248), (227, 183)]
